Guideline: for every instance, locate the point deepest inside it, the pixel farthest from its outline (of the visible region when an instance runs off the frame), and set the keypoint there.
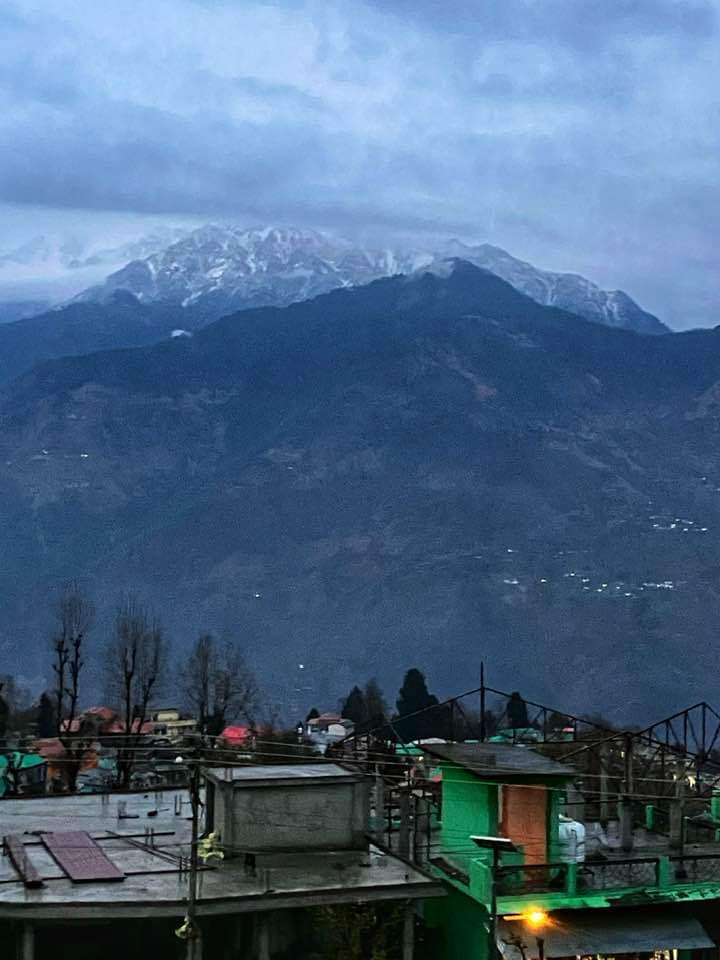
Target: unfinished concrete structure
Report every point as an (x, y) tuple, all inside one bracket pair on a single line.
[(312, 806), (298, 843)]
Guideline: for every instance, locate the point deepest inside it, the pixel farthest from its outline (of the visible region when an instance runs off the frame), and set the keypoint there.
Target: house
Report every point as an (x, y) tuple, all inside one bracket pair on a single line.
[(169, 722), (551, 892), (286, 843), (327, 729)]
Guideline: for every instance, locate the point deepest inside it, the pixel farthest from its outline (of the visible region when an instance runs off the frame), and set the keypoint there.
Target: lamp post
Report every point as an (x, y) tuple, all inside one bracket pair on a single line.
[(498, 845)]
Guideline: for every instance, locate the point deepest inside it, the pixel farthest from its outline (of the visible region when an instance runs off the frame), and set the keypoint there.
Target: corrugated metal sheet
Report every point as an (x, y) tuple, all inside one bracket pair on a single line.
[(494, 761), (80, 857)]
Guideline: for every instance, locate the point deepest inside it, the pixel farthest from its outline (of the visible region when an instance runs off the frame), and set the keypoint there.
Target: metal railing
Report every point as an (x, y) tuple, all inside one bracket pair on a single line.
[(531, 878), (592, 875), (696, 868), (617, 874)]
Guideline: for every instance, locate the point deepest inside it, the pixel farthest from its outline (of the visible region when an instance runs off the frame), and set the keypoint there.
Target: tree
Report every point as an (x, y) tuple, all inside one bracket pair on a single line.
[(218, 685), (75, 613), (517, 712), (46, 725), (313, 715), (375, 706), (416, 717), (15, 706), (366, 708), (354, 708), (135, 658), (4, 711)]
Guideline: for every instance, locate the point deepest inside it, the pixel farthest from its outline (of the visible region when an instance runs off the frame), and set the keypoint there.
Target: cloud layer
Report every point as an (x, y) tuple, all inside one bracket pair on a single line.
[(580, 135)]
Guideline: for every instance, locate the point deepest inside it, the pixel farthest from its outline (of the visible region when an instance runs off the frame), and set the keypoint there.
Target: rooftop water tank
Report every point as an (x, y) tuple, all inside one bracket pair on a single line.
[(572, 841)]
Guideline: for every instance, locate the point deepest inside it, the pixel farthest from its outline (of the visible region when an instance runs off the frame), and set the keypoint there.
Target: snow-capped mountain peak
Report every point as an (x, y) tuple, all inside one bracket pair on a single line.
[(218, 268)]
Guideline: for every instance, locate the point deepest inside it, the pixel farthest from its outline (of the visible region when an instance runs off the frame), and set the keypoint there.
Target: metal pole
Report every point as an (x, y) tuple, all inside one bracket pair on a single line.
[(494, 952), (482, 703), (404, 840), (541, 948), (194, 941), (408, 935)]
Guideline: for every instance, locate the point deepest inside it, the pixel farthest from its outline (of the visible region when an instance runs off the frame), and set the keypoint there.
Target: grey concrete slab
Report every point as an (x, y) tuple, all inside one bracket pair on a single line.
[(92, 813), (291, 880), (280, 771)]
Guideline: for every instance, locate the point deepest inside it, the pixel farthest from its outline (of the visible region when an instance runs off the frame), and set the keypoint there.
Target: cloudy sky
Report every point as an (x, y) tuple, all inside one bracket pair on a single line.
[(580, 134)]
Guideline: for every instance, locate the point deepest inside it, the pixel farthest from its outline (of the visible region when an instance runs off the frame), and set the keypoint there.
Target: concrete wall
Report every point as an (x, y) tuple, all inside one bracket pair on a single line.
[(307, 815)]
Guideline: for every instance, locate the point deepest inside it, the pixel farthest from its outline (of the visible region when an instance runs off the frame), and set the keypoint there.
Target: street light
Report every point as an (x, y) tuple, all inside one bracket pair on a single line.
[(498, 845)]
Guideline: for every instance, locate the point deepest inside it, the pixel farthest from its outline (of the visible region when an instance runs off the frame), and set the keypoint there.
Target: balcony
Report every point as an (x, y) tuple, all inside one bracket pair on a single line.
[(660, 877), (601, 882), (570, 878)]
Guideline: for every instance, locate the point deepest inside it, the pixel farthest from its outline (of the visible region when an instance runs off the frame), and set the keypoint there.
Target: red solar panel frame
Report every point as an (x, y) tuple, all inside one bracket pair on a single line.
[(80, 857)]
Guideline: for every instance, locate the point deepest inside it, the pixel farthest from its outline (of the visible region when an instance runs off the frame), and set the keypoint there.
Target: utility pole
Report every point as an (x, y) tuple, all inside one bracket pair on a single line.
[(482, 703), (194, 939)]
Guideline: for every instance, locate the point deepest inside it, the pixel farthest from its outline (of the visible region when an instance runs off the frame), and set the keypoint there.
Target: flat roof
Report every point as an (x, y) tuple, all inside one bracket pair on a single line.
[(280, 771), (155, 887), (98, 812), (494, 761)]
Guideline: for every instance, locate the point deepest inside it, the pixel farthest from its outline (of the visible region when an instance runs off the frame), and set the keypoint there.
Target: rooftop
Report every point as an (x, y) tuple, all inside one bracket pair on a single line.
[(98, 813), (281, 771), (154, 884), (495, 761)]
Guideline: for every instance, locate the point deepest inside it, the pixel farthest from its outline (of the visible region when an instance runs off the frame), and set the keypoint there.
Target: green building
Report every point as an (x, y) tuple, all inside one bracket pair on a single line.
[(22, 773), (554, 897)]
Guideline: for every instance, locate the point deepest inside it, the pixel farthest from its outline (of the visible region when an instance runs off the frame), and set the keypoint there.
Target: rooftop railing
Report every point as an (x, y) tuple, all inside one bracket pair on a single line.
[(598, 875)]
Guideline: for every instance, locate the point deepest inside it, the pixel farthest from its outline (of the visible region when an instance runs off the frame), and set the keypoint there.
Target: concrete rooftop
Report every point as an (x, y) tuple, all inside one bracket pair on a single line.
[(280, 771), (154, 885)]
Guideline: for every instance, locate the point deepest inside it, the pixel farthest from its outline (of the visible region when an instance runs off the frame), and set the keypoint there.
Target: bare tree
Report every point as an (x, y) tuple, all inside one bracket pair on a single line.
[(75, 613), (136, 659), (218, 685)]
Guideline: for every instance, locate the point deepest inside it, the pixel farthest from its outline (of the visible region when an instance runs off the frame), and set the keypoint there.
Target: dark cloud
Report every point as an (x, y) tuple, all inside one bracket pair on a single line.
[(581, 135)]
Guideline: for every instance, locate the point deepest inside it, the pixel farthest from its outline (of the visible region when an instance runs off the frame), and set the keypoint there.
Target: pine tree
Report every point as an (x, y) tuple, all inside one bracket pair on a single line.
[(4, 714), (413, 697), (46, 724), (375, 706), (354, 707), (517, 712)]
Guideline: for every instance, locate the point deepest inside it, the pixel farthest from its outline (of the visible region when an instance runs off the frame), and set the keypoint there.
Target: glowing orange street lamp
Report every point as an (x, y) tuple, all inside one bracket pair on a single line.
[(536, 919)]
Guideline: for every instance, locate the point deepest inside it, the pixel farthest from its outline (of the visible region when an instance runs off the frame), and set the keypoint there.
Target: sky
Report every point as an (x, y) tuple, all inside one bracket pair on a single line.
[(582, 135)]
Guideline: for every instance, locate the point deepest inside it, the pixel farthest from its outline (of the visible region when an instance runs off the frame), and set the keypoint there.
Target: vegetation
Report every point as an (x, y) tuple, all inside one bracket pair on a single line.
[(136, 660), (217, 684), (75, 614), (359, 931)]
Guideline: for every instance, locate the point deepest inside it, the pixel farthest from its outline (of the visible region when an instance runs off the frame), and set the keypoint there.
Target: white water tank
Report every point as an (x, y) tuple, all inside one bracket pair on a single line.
[(572, 841)]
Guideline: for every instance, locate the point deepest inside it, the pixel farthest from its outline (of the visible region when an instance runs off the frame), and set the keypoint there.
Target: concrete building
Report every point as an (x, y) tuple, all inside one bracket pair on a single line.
[(294, 845), (310, 807)]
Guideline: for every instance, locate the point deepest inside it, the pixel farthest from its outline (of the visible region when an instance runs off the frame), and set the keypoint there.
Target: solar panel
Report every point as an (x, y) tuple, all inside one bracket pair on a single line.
[(80, 857)]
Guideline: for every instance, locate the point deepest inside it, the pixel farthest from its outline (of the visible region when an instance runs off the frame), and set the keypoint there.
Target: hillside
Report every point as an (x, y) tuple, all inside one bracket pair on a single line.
[(429, 470)]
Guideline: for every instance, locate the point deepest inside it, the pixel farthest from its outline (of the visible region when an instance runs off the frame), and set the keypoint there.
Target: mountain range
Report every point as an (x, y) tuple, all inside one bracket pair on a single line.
[(212, 271), (219, 269), (426, 470)]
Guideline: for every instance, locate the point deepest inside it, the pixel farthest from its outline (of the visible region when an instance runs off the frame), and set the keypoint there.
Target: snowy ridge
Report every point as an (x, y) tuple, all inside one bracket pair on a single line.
[(217, 269)]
